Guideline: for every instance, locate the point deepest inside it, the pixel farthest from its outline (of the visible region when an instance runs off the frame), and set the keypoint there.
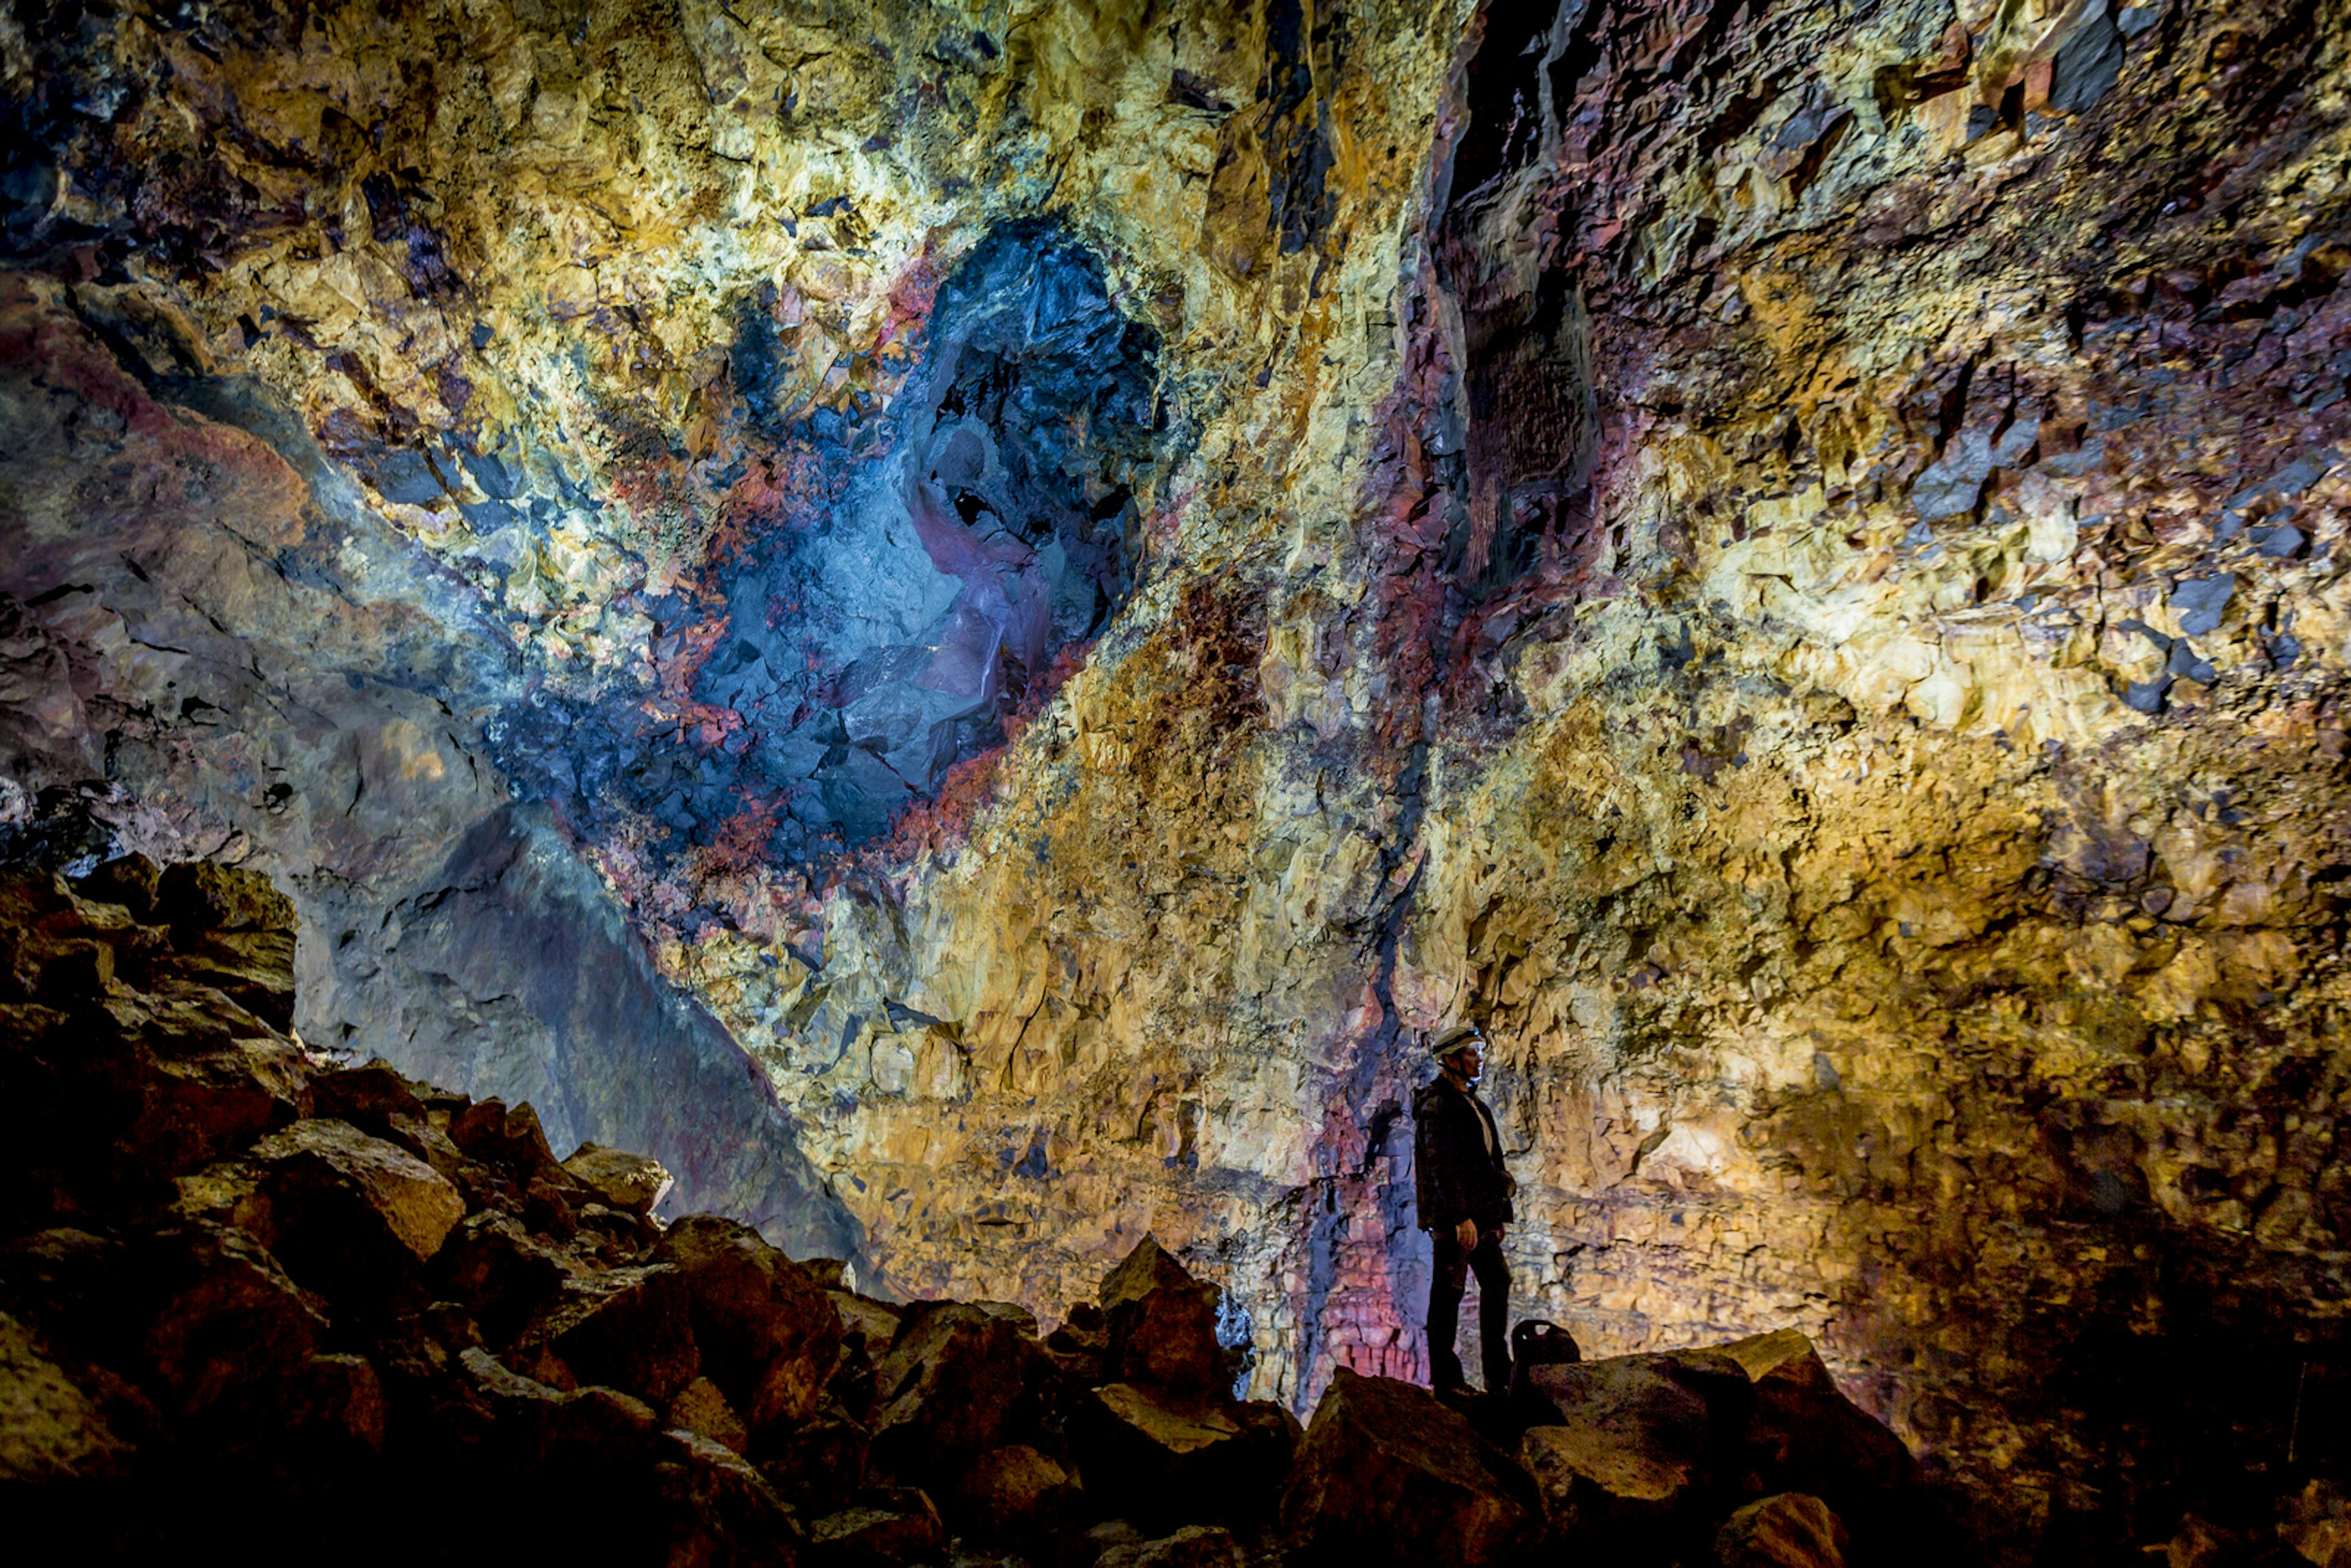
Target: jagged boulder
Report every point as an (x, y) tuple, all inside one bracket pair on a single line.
[(701, 1408), (769, 1338), (370, 1282), (1636, 1446), (1786, 1530), (334, 1193), (887, 1527), (1014, 1492), (218, 1313), (1388, 1475), (628, 1328), (1806, 1437), (499, 1271), (717, 1509), (377, 1100), (121, 1066), (233, 933), (1193, 1546), (1160, 1324), (820, 1463), (50, 1430), (1152, 1456), (624, 1180), (960, 1379)]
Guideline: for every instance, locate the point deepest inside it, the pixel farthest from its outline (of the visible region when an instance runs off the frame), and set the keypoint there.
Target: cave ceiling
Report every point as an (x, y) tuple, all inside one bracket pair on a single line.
[(959, 618)]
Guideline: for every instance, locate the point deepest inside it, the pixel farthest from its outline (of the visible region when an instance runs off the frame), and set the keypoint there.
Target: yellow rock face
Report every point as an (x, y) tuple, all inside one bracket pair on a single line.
[(1789, 566)]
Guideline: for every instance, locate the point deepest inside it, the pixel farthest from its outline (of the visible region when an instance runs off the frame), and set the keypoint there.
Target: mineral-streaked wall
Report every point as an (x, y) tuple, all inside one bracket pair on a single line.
[(1786, 557)]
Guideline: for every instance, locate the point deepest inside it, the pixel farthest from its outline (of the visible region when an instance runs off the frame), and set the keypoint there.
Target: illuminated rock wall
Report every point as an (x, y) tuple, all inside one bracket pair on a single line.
[(1787, 557)]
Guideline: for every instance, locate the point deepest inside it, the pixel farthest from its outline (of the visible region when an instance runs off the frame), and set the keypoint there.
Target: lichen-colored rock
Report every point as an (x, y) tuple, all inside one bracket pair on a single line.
[(701, 1409), (50, 1431), (624, 1180), (331, 1183), (1786, 1530)]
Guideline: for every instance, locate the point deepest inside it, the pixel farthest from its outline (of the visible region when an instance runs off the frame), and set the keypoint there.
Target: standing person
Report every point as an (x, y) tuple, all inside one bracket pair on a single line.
[(1464, 1200)]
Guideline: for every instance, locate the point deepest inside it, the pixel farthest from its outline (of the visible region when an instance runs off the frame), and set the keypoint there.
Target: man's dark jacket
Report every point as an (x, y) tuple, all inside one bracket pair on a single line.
[(1457, 1178)]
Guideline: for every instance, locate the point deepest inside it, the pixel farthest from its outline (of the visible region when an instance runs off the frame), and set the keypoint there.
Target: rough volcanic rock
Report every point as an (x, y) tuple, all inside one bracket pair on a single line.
[(1153, 1457), (960, 1379), (822, 1462), (630, 1328), (621, 1179), (1641, 1441), (1015, 1492), (1787, 560), (593, 1383), (219, 1314), (767, 1336), (701, 1407), (50, 1431), (889, 1532), (1387, 1474), (330, 1187), (1786, 1530), (1193, 1546), (1806, 1437), (1161, 1324)]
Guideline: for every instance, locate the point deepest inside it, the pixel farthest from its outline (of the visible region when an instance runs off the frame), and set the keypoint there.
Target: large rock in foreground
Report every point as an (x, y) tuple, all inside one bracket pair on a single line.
[(1162, 1323), (338, 1294), (1388, 1475)]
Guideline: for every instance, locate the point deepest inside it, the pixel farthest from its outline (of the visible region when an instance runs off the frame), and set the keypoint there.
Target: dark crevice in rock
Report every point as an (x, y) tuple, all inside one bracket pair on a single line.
[(1523, 404)]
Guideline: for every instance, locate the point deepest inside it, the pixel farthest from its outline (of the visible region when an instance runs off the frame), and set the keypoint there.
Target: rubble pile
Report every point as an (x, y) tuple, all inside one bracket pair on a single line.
[(249, 1297)]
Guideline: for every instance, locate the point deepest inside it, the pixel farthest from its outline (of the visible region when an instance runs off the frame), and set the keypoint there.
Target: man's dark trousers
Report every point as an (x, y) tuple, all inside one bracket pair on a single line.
[(1446, 1283)]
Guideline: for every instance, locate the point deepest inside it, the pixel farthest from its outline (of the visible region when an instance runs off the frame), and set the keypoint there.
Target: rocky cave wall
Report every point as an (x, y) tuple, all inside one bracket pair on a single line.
[(957, 620)]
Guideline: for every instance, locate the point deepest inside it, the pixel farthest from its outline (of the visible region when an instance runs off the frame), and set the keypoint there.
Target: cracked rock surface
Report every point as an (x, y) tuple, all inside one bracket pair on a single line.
[(1786, 558)]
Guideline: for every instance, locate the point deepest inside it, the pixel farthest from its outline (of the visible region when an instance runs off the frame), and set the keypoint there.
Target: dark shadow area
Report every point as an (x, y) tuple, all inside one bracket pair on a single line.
[(1523, 405)]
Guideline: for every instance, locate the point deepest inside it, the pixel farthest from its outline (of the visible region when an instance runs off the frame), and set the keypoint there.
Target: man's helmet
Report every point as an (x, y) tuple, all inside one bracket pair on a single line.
[(1449, 1040)]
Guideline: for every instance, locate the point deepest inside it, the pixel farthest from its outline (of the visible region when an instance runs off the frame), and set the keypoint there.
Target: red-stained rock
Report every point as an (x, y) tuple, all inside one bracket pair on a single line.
[(1161, 1324), (220, 1314), (1389, 1476), (960, 1377), (768, 1337), (338, 1396), (1013, 1492), (626, 1327)]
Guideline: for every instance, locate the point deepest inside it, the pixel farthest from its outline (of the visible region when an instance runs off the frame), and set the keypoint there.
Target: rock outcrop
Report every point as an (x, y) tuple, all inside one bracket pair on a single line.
[(372, 1299), (956, 620)]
